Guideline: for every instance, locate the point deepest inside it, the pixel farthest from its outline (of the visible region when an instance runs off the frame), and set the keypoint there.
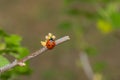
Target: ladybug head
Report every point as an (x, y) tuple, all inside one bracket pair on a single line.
[(50, 36), (51, 39)]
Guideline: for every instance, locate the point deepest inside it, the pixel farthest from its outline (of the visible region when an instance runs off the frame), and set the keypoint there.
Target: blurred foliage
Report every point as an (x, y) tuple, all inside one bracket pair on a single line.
[(3, 61), (65, 25), (99, 66), (110, 18), (104, 27), (11, 45), (91, 51), (106, 17), (73, 12)]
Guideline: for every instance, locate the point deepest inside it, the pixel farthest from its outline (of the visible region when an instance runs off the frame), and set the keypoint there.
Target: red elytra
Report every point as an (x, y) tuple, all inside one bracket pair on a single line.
[(50, 44)]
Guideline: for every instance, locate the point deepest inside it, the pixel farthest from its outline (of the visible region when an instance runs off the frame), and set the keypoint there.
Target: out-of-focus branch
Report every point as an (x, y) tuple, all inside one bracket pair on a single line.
[(88, 69), (86, 65), (22, 61)]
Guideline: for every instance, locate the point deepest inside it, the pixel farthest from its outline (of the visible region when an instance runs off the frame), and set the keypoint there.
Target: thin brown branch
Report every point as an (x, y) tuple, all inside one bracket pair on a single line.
[(40, 51)]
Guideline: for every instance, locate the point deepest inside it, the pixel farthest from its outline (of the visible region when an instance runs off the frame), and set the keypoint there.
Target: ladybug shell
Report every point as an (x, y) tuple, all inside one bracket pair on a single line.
[(50, 44)]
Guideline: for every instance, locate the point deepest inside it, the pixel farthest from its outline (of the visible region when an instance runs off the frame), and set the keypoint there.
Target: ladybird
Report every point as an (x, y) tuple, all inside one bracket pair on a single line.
[(49, 42)]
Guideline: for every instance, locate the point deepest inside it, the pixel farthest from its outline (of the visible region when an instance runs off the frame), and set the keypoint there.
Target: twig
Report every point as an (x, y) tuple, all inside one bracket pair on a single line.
[(86, 65), (21, 62), (88, 69)]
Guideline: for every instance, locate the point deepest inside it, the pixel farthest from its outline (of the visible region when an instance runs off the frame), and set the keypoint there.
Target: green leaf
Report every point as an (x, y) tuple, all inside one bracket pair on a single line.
[(73, 12), (91, 51), (99, 66), (2, 33), (2, 46), (65, 25), (111, 17), (13, 40), (3, 61), (110, 9), (104, 26), (20, 52), (25, 70), (115, 20), (6, 75)]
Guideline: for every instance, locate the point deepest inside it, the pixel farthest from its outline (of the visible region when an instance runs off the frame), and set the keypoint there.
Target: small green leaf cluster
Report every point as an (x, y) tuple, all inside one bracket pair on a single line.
[(110, 18), (78, 20), (10, 45)]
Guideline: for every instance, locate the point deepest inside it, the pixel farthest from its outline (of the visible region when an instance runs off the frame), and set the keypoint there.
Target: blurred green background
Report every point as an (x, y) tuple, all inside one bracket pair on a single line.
[(93, 26)]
